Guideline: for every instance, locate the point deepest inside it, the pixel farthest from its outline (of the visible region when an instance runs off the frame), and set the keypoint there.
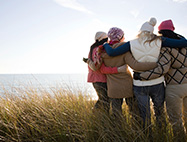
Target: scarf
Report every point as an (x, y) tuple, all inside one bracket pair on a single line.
[(99, 51)]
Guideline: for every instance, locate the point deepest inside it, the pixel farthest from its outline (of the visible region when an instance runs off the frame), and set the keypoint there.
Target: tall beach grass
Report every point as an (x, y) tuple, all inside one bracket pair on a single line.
[(66, 115)]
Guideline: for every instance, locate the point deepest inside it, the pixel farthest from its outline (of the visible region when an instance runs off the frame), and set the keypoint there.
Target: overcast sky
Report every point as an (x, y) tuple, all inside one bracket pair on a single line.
[(52, 36)]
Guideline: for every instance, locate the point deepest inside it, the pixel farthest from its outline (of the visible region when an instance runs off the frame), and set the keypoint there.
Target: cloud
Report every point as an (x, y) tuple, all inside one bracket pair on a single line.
[(180, 1), (73, 4), (134, 12)]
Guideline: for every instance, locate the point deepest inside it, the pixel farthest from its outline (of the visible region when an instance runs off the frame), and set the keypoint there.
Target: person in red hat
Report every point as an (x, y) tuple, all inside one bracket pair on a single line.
[(172, 63), (166, 25)]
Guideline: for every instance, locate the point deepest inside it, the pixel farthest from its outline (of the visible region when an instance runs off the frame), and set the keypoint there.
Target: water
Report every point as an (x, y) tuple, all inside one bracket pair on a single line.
[(45, 82)]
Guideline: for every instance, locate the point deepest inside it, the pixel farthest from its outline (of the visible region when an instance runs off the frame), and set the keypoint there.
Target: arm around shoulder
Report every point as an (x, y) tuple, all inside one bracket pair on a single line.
[(174, 43), (164, 63), (92, 65), (108, 70), (138, 66), (117, 51)]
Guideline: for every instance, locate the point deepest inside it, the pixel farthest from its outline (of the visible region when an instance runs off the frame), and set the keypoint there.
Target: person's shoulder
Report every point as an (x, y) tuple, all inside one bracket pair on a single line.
[(96, 49), (135, 41), (118, 44), (165, 50), (100, 46)]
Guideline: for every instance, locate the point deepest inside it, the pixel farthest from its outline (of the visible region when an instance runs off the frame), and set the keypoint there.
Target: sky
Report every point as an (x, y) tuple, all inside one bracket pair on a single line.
[(52, 36)]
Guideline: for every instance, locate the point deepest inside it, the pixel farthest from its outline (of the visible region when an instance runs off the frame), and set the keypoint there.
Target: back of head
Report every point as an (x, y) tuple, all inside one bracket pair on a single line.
[(100, 36), (170, 34), (166, 25), (166, 29), (148, 26), (115, 34), (146, 31)]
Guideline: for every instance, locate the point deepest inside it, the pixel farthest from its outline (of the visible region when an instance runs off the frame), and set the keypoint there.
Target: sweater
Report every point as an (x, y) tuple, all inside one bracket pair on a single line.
[(173, 64), (146, 52), (98, 76)]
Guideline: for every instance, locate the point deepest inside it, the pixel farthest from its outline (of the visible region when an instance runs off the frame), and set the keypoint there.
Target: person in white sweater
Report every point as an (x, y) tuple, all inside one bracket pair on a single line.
[(146, 48)]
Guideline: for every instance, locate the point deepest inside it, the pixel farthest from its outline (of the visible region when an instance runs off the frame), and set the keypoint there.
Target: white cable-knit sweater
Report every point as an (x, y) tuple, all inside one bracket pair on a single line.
[(146, 52)]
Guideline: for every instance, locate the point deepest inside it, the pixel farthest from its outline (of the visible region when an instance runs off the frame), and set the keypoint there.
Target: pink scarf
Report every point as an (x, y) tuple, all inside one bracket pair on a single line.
[(97, 56)]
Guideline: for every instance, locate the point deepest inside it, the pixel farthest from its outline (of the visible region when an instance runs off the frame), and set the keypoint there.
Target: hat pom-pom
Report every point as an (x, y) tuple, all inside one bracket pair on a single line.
[(152, 21)]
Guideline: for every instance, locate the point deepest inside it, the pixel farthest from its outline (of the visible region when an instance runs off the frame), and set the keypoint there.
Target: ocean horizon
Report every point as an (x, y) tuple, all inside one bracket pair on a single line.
[(76, 82)]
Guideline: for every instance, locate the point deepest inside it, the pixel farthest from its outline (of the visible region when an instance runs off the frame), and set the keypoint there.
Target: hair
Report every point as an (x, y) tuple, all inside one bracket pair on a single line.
[(121, 38), (170, 34), (148, 36), (96, 44)]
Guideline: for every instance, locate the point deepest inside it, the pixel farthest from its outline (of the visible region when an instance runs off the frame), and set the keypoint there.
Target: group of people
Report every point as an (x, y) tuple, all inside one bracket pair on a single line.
[(159, 64)]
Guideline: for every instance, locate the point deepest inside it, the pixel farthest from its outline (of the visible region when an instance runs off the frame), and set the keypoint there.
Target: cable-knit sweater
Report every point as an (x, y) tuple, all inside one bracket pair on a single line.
[(173, 64), (146, 52)]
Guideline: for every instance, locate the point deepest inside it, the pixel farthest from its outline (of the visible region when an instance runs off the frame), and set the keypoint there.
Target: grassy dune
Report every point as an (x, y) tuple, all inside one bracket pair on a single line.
[(65, 116)]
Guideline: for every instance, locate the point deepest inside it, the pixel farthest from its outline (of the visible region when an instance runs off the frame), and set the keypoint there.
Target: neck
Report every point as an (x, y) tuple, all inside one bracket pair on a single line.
[(113, 42)]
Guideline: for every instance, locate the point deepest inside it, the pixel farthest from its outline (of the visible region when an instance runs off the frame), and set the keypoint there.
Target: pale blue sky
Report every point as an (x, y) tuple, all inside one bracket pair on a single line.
[(52, 36)]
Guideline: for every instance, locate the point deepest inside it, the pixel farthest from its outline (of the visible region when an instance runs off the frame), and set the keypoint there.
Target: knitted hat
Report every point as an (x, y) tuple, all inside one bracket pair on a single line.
[(149, 26), (166, 25), (115, 34), (100, 36)]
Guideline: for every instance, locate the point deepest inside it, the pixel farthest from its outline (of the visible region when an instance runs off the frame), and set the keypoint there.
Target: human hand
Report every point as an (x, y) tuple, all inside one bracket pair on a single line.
[(136, 76), (122, 68), (85, 59)]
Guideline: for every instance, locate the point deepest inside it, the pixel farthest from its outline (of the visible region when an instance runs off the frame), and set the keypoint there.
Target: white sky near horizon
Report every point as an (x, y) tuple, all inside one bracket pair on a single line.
[(52, 36)]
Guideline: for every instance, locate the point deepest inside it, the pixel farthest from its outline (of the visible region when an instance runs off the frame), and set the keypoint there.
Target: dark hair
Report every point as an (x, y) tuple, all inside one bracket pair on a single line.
[(96, 44), (170, 34)]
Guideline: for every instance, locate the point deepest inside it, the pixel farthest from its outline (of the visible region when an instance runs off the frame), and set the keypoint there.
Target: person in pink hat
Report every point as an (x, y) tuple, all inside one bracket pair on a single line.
[(166, 25), (172, 63)]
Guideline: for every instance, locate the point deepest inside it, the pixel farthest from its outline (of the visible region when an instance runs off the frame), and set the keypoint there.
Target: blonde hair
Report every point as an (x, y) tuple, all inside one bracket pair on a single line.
[(147, 36)]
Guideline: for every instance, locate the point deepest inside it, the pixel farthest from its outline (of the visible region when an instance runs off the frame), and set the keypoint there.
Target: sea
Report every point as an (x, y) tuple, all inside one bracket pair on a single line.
[(47, 82)]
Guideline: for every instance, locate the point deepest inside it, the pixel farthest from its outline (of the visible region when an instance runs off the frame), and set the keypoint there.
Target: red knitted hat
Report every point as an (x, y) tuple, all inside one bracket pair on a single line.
[(166, 25)]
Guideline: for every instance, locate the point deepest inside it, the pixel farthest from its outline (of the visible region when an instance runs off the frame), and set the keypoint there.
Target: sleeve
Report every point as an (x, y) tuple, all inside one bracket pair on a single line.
[(139, 66), (164, 63), (108, 70), (174, 43), (179, 59), (117, 51)]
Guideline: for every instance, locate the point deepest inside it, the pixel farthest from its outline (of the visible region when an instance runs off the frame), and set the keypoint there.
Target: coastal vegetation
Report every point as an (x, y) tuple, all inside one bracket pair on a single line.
[(66, 115)]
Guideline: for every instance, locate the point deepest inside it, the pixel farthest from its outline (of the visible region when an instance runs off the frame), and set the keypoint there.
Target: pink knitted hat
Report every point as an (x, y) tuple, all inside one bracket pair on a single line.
[(115, 34), (166, 25)]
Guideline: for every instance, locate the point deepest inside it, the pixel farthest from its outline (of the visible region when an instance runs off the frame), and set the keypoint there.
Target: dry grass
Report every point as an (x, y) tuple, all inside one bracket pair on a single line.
[(65, 116)]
